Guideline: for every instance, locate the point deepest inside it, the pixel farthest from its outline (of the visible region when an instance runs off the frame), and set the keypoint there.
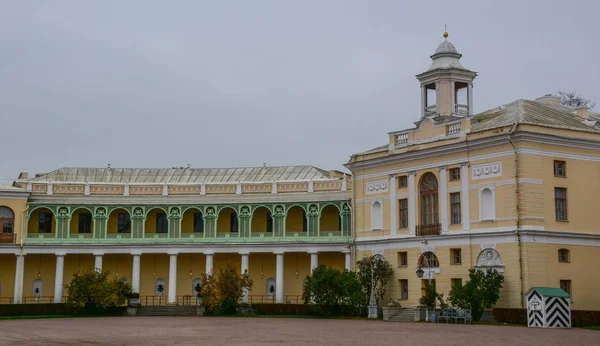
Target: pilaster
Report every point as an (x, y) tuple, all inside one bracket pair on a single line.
[(313, 216), (444, 197), (393, 211), (412, 202), (138, 221), (175, 222), (100, 223), (466, 211)]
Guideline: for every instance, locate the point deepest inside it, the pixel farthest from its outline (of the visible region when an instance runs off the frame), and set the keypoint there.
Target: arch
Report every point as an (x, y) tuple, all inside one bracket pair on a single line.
[(227, 220), (78, 224), (31, 210), (330, 204), (41, 220), (487, 205), (428, 260), (488, 259), (156, 220), (37, 288), (192, 220), (119, 221), (196, 285), (295, 219), (270, 287), (7, 220), (296, 205), (258, 206), (376, 215), (262, 220), (428, 192), (329, 219), (160, 286)]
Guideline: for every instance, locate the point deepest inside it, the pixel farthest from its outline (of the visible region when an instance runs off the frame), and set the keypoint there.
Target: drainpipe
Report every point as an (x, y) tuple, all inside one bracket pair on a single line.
[(518, 209)]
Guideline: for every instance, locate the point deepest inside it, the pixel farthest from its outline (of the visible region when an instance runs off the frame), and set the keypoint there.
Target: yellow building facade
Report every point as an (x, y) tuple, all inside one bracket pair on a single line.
[(512, 189)]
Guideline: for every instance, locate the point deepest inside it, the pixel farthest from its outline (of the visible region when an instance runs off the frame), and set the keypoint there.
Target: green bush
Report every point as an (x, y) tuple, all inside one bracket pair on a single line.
[(329, 289), (481, 292), (97, 291), (381, 275), (222, 292)]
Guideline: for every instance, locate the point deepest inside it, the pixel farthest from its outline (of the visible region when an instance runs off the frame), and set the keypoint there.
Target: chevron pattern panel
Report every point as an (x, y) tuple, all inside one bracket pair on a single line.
[(557, 312), (535, 318)]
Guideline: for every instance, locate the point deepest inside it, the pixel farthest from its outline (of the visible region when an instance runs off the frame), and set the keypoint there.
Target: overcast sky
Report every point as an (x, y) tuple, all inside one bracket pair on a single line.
[(239, 83)]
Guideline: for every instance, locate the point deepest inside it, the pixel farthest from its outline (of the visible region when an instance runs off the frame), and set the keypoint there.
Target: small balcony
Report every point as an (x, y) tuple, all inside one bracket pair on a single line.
[(7, 238), (461, 109), (429, 230)]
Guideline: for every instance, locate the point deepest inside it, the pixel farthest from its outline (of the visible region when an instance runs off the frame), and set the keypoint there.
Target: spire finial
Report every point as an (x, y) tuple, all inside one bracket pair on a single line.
[(445, 32)]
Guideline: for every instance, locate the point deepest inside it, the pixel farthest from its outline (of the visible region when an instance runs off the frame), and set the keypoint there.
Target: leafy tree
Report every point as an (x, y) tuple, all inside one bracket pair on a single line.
[(332, 289), (430, 295), (222, 292), (96, 291), (382, 274), (481, 292), (572, 99)]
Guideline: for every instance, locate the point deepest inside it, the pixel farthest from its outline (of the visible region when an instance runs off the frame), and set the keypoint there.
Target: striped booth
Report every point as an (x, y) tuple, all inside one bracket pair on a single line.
[(548, 308)]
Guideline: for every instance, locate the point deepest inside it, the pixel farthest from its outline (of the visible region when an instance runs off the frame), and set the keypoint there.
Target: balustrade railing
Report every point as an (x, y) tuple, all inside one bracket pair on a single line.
[(271, 299), (426, 230), (453, 128), (7, 300), (461, 109), (402, 138), (430, 110)]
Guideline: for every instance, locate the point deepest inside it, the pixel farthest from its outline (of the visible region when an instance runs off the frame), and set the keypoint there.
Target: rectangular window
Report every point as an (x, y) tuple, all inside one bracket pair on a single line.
[(560, 168), (563, 256), (269, 222), (402, 259), (402, 181), (455, 283), (456, 256), (454, 174), (45, 223), (233, 223), (7, 227), (455, 216), (560, 203), (85, 223), (566, 286), (124, 225), (403, 205), (404, 289), (198, 223), (162, 225)]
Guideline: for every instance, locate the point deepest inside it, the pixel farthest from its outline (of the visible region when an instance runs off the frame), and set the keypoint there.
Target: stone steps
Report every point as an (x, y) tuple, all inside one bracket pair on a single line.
[(406, 315), (166, 311)]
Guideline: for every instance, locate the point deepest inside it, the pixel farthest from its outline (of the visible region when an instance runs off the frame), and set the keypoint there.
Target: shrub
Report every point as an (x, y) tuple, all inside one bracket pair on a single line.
[(481, 292), (382, 274), (222, 292), (329, 289), (96, 291), (430, 295)]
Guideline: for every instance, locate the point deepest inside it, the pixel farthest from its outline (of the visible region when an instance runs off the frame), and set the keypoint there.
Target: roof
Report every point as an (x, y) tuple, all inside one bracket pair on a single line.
[(446, 57), (549, 291), (529, 112), (183, 175), (10, 188)]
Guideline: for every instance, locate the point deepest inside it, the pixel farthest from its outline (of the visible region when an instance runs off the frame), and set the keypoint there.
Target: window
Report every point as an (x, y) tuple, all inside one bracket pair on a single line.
[(560, 203), (566, 286), (487, 205), (404, 289), (7, 220), (269, 222), (233, 223), (455, 283), (45, 223), (198, 223), (456, 256), (402, 259), (560, 168), (376, 216), (403, 204), (429, 260), (429, 199), (454, 174), (402, 181), (455, 208), (162, 225), (85, 223), (124, 225), (564, 256)]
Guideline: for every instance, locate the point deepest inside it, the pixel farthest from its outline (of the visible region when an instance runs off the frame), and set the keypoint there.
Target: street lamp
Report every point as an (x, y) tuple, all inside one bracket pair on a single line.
[(420, 273)]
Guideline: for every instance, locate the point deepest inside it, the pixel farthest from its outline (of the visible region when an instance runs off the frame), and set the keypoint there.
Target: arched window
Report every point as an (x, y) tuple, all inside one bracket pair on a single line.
[(564, 256), (376, 216), (429, 260), (428, 189), (7, 220), (487, 205)]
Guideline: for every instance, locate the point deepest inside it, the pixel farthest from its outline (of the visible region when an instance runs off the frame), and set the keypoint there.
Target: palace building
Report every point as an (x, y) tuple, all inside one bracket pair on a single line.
[(512, 188), (162, 228)]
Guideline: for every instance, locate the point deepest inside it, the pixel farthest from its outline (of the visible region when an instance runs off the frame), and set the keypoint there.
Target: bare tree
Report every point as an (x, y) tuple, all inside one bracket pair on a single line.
[(574, 100)]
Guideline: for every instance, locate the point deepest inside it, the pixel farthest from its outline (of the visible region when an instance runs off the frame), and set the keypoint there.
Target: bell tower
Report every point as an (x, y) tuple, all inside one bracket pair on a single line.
[(446, 87)]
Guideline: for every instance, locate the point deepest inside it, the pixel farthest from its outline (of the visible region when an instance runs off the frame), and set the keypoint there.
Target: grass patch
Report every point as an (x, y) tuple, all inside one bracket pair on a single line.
[(312, 317), (592, 327), (494, 323), (31, 317)]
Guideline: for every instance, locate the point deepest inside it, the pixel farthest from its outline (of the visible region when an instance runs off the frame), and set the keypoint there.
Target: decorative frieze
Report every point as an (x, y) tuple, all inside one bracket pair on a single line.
[(378, 186), (221, 189), (68, 189), (486, 170), (257, 188), (106, 189), (335, 185), (292, 187), (39, 189), (184, 190), (146, 190)]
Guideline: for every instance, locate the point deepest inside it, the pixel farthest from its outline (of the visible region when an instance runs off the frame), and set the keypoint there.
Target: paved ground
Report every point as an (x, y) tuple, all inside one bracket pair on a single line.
[(260, 331)]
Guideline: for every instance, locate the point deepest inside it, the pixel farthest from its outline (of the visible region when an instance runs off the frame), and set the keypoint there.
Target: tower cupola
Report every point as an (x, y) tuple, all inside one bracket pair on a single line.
[(446, 87)]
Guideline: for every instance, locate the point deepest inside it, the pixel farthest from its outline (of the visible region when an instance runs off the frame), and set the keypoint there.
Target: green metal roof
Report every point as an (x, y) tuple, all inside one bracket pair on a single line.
[(551, 291)]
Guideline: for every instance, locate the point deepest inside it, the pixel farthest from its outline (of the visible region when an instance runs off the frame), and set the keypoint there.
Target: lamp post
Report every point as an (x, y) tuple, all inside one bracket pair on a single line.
[(420, 273)]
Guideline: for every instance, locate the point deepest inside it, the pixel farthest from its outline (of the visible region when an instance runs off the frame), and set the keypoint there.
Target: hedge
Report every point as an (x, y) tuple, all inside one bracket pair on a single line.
[(579, 318), (53, 309), (302, 309)]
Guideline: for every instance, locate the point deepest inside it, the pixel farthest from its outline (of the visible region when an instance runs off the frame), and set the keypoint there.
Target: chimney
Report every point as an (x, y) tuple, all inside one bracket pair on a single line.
[(549, 99), (582, 112)]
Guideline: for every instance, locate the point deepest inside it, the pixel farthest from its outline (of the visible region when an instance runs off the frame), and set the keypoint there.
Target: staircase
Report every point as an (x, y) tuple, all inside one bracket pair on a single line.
[(405, 315), (166, 311)]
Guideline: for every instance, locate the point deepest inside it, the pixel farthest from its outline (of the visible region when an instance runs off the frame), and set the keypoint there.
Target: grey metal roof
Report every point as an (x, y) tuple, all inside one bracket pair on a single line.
[(4, 187), (183, 175), (529, 112)]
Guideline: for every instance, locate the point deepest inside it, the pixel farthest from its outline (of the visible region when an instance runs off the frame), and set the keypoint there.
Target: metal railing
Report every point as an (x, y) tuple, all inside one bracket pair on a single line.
[(426, 230), (40, 300), (271, 299), (162, 300), (461, 109), (7, 300)]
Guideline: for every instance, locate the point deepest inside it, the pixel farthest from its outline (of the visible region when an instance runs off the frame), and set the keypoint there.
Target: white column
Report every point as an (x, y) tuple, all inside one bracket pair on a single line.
[(135, 273), (172, 298), (393, 201), (452, 97), (348, 261), (423, 100), (437, 97), (209, 263), (98, 262), (245, 262), (314, 260), (412, 199), (444, 198), (464, 178), (18, 291), (470, 98), (58, 279), (279, 278)]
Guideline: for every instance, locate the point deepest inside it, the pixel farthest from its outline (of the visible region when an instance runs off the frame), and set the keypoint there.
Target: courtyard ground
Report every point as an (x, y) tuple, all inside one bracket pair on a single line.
[(267, 331)]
